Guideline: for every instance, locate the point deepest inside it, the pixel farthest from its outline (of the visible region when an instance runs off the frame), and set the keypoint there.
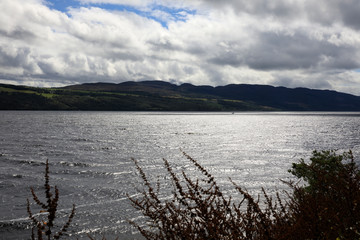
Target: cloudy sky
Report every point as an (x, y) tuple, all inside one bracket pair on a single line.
[(292, 43)]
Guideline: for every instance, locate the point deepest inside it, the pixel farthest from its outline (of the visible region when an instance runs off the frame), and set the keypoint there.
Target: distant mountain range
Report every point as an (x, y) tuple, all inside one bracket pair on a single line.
[(164, 96)]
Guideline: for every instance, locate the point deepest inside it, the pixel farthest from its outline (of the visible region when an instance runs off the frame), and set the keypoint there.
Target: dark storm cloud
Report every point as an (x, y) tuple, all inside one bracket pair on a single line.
[(289, 81), (298, 51), (327, 12), (164, 44), (17, 58), (276, 51), (350, 13), (18, 33), (14, 59), (283, 9), (333, 12), (233, 58)]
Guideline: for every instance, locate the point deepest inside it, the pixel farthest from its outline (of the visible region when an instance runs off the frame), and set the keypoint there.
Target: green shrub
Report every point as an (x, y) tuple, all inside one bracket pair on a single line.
[(324, 168), (328, 206)]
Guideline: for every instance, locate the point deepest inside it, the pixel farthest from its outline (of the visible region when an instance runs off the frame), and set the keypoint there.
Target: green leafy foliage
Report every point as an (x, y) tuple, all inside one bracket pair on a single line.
[(324, 169), (328, 205)]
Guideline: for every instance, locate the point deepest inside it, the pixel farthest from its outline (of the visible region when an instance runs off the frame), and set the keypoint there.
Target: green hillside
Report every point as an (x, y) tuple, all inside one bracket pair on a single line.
[(30, 98), (164, 96)]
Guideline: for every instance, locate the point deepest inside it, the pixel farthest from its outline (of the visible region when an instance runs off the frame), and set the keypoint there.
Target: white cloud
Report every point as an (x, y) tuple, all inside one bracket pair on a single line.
[(291, 43)]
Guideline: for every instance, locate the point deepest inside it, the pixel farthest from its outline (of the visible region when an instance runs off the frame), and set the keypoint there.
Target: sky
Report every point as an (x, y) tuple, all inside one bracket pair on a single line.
[(291, 43)]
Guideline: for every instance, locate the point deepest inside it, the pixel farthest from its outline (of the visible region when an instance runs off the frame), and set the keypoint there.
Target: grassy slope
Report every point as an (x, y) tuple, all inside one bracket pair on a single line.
[(138, 99), (163, 96)]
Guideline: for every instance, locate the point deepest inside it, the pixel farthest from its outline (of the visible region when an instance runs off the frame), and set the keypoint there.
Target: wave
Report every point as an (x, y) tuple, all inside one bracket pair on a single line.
[(74, 164), (81, 140)]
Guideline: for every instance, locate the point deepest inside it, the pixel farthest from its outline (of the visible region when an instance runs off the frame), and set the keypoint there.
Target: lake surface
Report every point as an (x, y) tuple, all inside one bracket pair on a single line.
[(90, 155)]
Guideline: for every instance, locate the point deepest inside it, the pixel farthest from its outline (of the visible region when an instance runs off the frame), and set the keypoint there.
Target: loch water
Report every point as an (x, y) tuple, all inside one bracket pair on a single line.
[(90, 153)]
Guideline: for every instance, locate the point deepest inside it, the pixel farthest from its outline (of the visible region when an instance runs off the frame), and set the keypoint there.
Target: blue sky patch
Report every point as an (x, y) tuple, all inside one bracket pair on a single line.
[(62, 5), (159, 13)]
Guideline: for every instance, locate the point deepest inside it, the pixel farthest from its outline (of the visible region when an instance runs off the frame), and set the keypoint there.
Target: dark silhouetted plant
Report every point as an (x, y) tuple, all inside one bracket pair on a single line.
[(199, 210), (44, 227), (326, 207)]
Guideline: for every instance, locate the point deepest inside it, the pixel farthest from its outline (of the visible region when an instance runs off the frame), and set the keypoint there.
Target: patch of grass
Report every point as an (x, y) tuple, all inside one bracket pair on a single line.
[(48, 95), (10, 90), (5, 89)]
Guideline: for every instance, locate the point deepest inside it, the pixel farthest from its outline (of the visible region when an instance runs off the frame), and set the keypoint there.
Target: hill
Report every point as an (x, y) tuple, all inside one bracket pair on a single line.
[(164, 96)]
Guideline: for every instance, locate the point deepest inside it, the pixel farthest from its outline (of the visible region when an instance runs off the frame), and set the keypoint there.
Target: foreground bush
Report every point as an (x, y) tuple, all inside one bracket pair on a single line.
[(325, 204), (326, 207)]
